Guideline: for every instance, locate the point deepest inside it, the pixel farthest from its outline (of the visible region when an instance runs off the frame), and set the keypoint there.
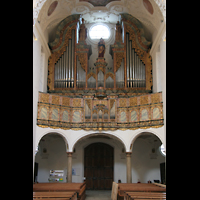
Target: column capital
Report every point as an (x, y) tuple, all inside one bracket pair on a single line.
[(128, 153), (69, 154)]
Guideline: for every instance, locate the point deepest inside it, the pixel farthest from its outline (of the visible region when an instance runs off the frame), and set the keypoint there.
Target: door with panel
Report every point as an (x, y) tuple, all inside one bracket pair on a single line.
[(98, 166)]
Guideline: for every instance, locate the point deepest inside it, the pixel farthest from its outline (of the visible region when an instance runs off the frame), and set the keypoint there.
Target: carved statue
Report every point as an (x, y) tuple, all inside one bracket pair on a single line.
[(118, 36), (101, 48), (82, 32)]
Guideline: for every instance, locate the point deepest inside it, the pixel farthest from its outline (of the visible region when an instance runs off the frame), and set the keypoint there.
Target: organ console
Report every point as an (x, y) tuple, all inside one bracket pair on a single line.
[(69, 67)]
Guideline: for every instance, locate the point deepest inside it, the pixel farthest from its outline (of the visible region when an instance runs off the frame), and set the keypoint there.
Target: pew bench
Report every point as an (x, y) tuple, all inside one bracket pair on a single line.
[(144, 195), (137, 187), (55, 195), (79, 188)]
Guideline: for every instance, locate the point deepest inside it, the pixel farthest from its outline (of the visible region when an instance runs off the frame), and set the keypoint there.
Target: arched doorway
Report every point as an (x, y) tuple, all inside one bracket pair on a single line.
[(148, 163), (98, 166), (51, 159)]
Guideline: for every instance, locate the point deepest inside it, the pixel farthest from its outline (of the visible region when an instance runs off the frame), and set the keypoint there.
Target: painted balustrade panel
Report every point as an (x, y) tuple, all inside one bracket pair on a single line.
[(108, 113)]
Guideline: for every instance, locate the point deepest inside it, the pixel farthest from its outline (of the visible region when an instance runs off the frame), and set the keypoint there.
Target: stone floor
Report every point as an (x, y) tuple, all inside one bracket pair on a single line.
[(98, 195)]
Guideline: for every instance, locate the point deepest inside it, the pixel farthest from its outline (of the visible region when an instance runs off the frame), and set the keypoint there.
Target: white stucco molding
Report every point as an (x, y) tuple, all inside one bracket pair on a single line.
[(159, 132), (160, 36), (71, 137), (40, 36), (39, 4), (40, 132), (93, 133)]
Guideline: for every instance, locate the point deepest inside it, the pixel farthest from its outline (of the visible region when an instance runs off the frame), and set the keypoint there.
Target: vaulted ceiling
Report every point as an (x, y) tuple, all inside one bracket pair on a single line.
[(50, 12)]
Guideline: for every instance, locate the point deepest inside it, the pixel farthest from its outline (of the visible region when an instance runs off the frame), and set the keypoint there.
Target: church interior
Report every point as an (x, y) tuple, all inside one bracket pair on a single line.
[(99, 92)]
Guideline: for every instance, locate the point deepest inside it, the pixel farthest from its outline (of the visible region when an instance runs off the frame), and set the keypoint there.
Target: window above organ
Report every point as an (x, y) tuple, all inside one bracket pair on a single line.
[(75, 65)]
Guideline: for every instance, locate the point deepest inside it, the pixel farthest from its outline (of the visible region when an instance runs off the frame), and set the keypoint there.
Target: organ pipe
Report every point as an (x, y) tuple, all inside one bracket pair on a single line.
[(130, 63), (67, 67), (135, 67), (72, 78), (69, 63), (127, 58), (64, 67)]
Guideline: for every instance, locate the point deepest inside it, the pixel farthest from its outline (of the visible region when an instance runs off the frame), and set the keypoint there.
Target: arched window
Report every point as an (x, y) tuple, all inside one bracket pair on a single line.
[(99, 31)]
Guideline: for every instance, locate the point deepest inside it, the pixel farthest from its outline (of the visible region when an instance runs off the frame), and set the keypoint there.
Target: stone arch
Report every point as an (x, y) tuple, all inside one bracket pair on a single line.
[(87, 135), (132, 140), (57, 132)]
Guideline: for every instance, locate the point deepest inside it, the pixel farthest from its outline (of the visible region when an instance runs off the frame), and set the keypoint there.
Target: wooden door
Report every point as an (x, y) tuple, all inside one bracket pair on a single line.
[(98, 166)]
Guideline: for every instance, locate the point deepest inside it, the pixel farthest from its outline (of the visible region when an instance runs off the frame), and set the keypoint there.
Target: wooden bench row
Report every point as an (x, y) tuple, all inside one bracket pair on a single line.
[(125, 190), (78, 188), (55, 195), (144, 195)]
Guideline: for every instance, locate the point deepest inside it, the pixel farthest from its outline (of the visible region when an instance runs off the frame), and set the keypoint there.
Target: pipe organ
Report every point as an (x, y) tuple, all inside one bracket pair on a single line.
[(69, 67), (107, 92)]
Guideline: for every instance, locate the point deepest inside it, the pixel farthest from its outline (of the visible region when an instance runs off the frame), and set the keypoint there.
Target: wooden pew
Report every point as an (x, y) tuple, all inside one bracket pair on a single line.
[(114, 191), (144, 195), (137, 187), (55, 195), (60, 187)]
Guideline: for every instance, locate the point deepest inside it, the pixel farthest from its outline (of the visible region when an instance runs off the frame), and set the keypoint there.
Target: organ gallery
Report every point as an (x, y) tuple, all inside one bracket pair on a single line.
[(104, 87)]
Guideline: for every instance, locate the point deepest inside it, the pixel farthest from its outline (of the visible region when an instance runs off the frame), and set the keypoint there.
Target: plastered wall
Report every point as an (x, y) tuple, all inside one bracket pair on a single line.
[(144, 167)]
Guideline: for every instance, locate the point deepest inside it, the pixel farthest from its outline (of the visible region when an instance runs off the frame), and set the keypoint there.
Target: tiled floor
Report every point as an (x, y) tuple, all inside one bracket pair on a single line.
[(98, 195)]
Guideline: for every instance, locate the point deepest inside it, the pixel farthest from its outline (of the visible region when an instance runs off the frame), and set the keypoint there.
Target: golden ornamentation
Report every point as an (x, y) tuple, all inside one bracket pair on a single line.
[(65, 101), (133, 101), (144, 99), (76, 102), (132, 37), (91, 74), (119, 56), (112, 101), (67, 36), (44, 97), (89, 103), (110, 74), (155, 98), (143, 118), (122, 102), (82, 57), (148, 66), (55, 100)]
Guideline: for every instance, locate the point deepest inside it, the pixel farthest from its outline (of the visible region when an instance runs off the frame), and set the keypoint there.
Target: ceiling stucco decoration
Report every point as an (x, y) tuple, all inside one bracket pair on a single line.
[(99, 2), (98, 14), (52, 7), (148, 6), (37, 6)]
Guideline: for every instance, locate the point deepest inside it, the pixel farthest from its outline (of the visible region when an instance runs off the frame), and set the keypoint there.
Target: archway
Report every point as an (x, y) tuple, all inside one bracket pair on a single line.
[(148, 163), (51, 155), (99, 166)]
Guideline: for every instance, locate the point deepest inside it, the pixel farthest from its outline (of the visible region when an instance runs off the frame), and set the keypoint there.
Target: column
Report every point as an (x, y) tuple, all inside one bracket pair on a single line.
[(69, 167), (128, 167)]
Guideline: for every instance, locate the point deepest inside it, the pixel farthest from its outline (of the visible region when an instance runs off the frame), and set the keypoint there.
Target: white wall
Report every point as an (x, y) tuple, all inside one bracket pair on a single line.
[(41, 54), (143, 167), (55, 157)]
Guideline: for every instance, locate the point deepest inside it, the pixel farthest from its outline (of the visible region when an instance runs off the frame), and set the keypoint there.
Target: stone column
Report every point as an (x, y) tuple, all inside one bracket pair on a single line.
[(69, 167), (128, 167)]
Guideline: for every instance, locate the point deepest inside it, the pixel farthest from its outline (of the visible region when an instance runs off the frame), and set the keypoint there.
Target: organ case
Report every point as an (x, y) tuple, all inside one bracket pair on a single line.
[(68, 64)]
